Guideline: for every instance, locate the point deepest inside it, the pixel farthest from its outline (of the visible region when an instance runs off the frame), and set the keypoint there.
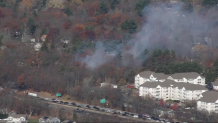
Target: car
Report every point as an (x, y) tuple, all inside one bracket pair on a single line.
[(87, 106), (66, 103), (139, 116), (61, 102), (74, 104), (124, 114), (132, 115), (103, 110), (79, 106), (96, 108), (155, 118), (53, 99), (135, 116), (115, 113)]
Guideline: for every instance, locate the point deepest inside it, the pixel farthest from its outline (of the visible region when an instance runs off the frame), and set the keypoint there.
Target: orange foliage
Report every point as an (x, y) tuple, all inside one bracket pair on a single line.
[(27, 3), (78, 31), (20, 79), (90, 34), (115, 19), (12, 25), (10, 46), (102, 18), (2, 15), (67, 25), (94, 7)]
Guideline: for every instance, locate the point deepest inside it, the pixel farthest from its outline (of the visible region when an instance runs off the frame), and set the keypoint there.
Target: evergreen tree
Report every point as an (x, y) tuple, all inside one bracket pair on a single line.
[(68, 12), (211, 75), (103, 9), (44, 46), (113, 3), (129, 25), (141, 5), (31, 26), (123, 108), (1, 38)]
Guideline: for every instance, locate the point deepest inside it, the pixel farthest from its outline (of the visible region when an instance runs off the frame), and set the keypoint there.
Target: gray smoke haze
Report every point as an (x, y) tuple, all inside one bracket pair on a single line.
[(164, 28)]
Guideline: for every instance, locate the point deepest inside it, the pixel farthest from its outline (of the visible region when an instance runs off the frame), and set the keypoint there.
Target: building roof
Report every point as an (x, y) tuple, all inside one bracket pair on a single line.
[(147, 74), (168, 83), (209, 97), (190, 75), (189, 86), (67, 121), (154, 84), (17, 115), (215, 83)]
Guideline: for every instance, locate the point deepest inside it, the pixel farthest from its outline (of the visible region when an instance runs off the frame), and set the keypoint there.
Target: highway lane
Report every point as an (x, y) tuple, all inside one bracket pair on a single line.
[(98, 112), (49, 101)]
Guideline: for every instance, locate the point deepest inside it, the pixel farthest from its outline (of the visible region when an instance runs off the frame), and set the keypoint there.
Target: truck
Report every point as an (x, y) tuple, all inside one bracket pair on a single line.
[(33, 94)]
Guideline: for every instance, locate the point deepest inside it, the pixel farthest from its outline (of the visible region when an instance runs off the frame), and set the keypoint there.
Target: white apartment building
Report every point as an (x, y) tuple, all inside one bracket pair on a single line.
[(189, 77), (215, 85), (208, 101), (148, 76), (170, 89)]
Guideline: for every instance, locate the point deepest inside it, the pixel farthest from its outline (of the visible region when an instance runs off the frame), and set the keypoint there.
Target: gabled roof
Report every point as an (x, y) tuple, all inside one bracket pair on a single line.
[(215, 83), (209, 97), (168, 83), (152, 84), (189, 86), (147, 74), (188, 75), (17, 115)]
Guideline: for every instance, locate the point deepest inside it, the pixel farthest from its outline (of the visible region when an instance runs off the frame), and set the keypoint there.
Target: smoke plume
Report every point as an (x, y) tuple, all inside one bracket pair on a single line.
[(165, 28)]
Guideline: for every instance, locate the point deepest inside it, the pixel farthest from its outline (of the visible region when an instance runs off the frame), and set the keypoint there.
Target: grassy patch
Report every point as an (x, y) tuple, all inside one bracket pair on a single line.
[(33, 120)]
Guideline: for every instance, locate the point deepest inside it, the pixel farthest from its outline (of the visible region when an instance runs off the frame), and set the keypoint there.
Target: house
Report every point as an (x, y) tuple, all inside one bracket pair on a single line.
[(108, 84), (164, 111), (33, 40), (49, 120), (208, 101), (215, 85), (43, 38), (188, 77), (148, 76), (16, 118), (38, 46), (1, 89), (170, 89)]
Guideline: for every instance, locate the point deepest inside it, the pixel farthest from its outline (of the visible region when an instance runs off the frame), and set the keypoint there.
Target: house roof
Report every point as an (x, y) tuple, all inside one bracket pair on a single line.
[(215, 83), (147, 74), (209, 97), (190, 75), (17, 115), (67, 121), (180, 85)]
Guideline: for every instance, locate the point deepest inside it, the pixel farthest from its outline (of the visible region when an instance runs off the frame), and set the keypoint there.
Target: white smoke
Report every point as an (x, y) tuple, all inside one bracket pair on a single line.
[(165, 28)]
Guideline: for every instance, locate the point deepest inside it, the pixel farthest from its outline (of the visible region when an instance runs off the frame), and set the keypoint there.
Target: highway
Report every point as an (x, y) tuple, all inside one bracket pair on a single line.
[(91, 110)]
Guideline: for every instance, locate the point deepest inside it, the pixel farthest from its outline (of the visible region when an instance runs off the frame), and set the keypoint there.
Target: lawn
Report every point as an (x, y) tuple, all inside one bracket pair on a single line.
[(33, 120)]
